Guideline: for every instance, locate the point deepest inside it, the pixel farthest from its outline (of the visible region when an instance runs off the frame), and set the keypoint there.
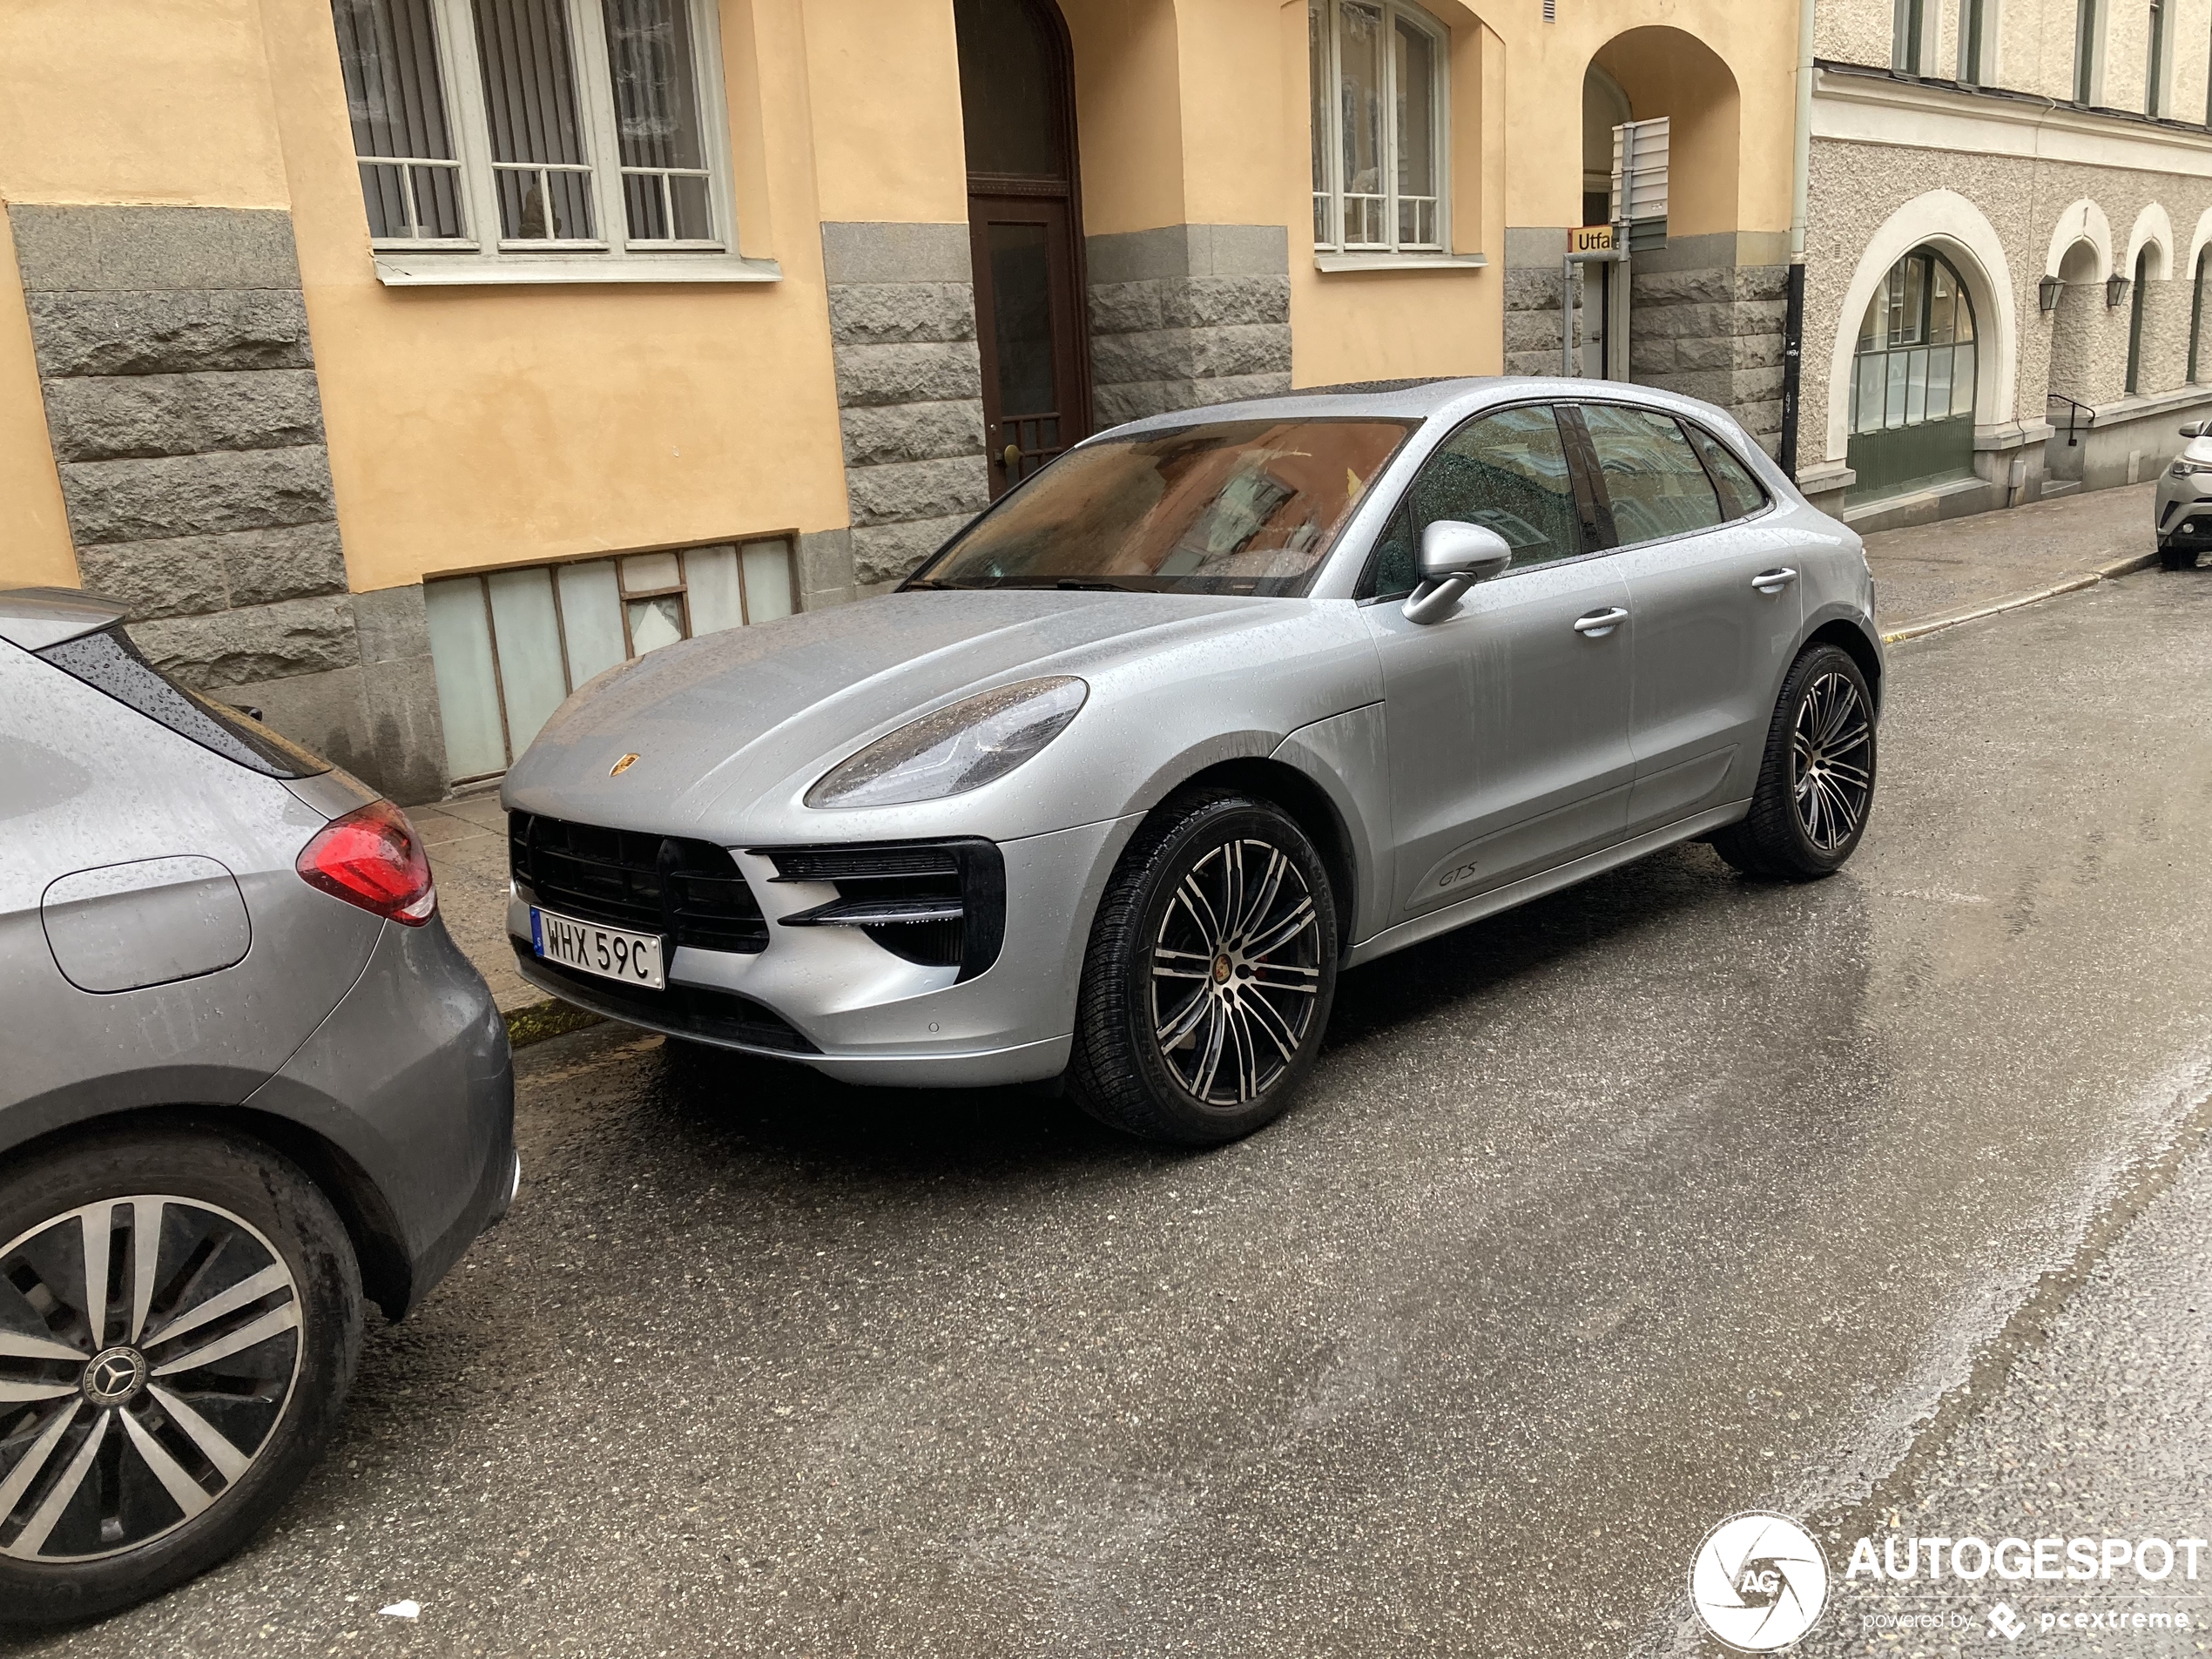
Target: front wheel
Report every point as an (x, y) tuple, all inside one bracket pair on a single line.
[(179, 1319), (1817, 775), (2177, 558), (1210, 973)]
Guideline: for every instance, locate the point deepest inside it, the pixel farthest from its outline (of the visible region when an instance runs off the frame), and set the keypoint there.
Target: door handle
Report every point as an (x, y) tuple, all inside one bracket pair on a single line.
[(1774, 581), (1596, 625)]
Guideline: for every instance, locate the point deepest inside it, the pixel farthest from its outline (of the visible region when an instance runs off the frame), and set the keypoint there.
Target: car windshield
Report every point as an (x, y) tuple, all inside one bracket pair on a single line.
[(1244, 507)]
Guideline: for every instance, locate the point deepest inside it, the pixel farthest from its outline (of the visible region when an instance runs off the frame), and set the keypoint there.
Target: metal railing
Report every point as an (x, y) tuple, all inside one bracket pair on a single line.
[(2072, 408)]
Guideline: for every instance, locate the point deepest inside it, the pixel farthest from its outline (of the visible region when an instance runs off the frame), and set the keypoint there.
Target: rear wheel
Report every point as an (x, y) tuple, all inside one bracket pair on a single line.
[(1210, 973), (180, 1321), (1817, 777)]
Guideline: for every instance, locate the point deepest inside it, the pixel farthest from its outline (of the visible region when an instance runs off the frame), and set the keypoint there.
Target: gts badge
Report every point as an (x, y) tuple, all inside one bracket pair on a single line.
[(1457, 876)]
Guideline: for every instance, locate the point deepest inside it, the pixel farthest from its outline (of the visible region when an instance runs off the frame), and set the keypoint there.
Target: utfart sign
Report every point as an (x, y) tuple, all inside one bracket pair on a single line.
[(1590, 238)]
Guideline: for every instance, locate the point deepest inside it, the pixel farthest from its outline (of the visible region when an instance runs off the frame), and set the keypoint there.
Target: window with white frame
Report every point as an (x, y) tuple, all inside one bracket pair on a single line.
[(1978, 41), (524, 128), (1380, 89), (507, 645)]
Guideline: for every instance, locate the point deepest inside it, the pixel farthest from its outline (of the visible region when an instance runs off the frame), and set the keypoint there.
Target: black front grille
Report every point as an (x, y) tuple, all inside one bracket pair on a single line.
[(687, 1010), (936, 903), (690, 891)]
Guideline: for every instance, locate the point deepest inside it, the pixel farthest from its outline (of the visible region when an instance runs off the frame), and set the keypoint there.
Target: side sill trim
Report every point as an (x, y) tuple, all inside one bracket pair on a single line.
[(1544, 881)]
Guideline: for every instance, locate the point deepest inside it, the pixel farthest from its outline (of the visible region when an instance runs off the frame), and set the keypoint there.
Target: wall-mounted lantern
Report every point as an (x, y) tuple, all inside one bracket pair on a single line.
[(2047, 291), (2116, 291)]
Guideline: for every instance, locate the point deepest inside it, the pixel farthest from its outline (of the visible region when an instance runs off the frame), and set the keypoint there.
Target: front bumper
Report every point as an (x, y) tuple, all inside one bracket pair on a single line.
[(410, 1079), (831, 998), (2184, 519)]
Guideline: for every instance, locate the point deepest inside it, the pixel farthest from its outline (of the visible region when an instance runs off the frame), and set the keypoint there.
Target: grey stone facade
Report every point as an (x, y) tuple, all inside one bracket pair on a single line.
[(182, 406), (1532, 299), (910, 402), (1187, 316), (1705, 318)]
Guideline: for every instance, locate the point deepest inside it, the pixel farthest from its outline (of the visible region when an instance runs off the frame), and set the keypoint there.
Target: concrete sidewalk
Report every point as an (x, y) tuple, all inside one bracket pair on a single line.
[(1933, 575), (1926, 577)]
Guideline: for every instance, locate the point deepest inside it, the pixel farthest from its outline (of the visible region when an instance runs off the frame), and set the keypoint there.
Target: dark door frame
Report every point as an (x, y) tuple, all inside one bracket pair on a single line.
[(1076, 400)]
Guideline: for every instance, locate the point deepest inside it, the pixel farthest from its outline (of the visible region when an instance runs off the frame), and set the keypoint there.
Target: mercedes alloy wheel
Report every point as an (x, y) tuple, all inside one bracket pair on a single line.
[(173, 1352), (1209, 974)]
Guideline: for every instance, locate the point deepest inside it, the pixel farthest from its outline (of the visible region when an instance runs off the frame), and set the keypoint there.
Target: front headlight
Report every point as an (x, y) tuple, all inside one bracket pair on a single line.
[(962, 746), (2183, 467)]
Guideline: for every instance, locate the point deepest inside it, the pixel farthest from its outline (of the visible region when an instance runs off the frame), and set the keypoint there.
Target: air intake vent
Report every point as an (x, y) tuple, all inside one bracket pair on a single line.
[(690, 891), (940, 904)]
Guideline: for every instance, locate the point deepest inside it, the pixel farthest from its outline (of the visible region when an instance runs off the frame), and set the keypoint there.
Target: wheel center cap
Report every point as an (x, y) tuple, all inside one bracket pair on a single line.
[(116, 1377), (1221, 968)]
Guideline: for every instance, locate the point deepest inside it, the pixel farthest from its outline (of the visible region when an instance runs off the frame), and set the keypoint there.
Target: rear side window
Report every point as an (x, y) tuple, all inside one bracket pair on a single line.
[(108, 662), (1741, 495), (1653, 478)]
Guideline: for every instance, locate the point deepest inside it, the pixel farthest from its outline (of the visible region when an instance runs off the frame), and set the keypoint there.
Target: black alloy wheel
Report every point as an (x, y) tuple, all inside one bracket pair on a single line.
[(1816, 782), (1209, 974)]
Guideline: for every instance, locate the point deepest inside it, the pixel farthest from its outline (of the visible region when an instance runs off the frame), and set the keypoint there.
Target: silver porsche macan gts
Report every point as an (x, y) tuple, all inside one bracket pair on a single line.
[(1214, 707)]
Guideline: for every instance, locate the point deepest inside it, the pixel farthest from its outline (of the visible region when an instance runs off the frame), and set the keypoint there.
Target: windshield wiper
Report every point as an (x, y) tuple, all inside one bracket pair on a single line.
[(1076, 584)]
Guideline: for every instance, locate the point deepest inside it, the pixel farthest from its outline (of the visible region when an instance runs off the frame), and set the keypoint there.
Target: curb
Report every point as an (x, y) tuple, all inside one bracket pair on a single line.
[(551, 1018), (2073, 584)]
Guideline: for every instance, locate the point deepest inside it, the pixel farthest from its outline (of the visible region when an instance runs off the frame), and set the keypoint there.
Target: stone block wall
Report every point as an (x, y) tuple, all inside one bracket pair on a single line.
[(1532, 300), (1186, 315), (182, 409), (910, 402), (1715, 332)]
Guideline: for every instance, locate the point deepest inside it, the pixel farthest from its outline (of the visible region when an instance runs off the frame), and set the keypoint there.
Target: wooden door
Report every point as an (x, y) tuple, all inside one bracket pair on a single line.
[(1025, 231), (1026, 323)]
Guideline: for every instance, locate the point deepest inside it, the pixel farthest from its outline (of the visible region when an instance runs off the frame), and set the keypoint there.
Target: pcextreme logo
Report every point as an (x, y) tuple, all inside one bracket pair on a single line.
[(1758, 1582)]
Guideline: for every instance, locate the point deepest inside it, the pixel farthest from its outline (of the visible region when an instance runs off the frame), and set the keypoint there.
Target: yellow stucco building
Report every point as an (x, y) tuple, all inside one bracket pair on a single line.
[(403, 362)]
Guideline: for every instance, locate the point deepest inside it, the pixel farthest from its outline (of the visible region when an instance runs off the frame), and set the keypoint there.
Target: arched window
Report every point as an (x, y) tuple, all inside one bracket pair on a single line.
[(1913, 381), (1915, 360), (2135, 322), (1380, 92), (2196, 319)]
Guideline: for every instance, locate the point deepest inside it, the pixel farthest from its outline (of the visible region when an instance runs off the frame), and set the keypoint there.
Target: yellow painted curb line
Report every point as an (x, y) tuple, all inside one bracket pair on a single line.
[(2072, 584), (550, 1018)]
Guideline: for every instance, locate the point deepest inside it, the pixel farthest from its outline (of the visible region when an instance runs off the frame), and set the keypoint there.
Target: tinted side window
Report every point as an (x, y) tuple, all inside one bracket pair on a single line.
[(109, 662), (1740, 492), (1655, 483), (1393, 568), (1508, 472)]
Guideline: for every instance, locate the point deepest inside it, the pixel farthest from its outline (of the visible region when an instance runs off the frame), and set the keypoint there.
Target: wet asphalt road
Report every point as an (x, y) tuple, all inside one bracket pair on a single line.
[(1671, 1196)]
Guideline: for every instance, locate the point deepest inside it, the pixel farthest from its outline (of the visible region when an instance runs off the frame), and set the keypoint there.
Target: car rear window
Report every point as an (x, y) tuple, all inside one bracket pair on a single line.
[(108, 662), (1240, 507)]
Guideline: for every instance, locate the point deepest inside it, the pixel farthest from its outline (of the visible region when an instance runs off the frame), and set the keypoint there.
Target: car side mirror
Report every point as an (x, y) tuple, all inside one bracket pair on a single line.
[(2196, 428), (1455, 556)]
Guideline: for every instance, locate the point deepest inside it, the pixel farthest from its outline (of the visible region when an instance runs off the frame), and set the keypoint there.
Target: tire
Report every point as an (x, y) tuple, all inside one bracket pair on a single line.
[(2176, 558), (185, 1462), (1801, 826), (1211, 872)]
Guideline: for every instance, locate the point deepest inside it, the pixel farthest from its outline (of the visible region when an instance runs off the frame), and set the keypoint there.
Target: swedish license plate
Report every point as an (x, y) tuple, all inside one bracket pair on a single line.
[(607, 952)]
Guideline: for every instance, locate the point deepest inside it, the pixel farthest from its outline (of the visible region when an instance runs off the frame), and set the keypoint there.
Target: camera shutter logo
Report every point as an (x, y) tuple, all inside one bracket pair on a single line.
[(1758, 1582)]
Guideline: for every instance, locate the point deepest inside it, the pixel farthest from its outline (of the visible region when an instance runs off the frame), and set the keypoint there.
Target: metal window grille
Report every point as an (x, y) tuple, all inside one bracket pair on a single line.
[(537, 127)]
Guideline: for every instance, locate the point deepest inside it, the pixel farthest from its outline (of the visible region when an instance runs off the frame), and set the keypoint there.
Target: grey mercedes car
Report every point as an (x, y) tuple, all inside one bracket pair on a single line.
[(245, 1081), (1212, 707)]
